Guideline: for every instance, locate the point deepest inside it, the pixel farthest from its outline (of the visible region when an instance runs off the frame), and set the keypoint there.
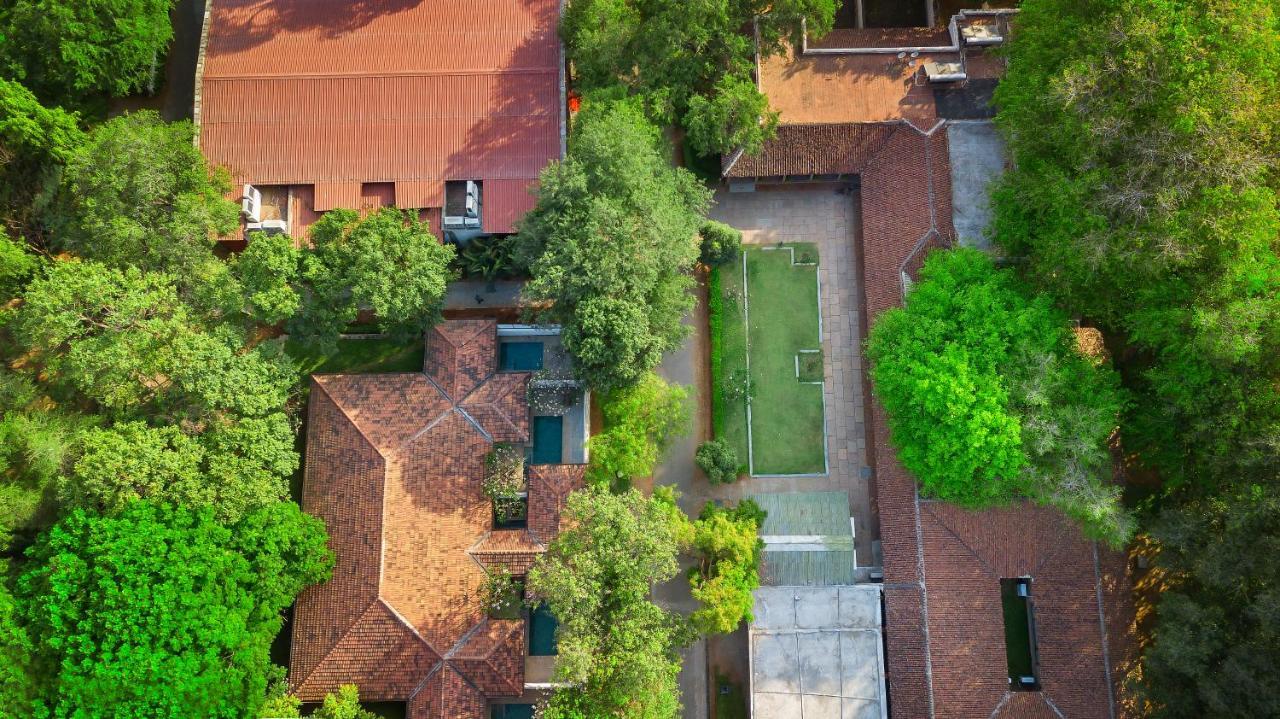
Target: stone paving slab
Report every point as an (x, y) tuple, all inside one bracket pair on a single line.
[(826, 215)]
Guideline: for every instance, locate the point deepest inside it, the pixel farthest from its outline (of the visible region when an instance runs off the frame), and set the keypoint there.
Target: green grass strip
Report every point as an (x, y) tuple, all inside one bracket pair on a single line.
[(787, 427)]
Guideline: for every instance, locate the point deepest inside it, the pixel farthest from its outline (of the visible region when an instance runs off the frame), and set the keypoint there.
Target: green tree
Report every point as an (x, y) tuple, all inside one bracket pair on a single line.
[(388, 263), (124, 341), (610, 243), (729, 548), (266, 271), (34, 142), (1215, 649), (343, 704), (19, 686), (231, 471), (163, 612), (691, 61), (68, 50), (989, 398), (36, 446), (138, 194), (618, 650), (639, 423), (1142, 196), (17, 267)]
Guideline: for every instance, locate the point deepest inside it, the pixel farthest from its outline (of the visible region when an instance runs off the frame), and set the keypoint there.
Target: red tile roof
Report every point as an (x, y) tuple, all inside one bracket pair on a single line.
[(336, 94), (813, 149), (943, 623), (394, 467)]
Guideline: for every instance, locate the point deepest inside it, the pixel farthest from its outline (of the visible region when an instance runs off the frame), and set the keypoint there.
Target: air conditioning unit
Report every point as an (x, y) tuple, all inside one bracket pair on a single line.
[(251, 204), (275, 227), (945, 71), (473, 200)]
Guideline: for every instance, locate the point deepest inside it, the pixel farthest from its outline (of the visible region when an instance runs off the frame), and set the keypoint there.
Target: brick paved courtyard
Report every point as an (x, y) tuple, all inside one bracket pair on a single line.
[(819, 214)]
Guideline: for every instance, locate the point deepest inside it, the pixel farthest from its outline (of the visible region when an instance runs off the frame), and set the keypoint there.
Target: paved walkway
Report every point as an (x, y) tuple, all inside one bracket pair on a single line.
[(822, 215)]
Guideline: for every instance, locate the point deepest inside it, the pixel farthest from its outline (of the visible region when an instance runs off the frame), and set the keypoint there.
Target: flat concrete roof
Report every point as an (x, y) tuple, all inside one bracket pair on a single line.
[(977, 155), (817, 653)]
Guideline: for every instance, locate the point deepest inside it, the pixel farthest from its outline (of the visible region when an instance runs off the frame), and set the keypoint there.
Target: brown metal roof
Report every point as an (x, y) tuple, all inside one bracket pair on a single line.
[(302, 92)]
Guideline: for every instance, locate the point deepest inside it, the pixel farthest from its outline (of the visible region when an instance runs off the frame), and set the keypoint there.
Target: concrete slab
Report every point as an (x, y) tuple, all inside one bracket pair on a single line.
[(817, 608), (977, 160), (819, 654), (821, 646), (775, 664)]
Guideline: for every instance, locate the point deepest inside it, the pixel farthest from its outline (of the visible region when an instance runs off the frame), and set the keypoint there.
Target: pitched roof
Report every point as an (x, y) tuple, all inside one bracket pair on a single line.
[(335, 94), (813, 149), (394, 467), (943, 622)]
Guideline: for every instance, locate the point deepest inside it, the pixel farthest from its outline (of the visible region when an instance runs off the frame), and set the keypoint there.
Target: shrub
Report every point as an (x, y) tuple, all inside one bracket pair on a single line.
[(717, 459), (720, 243), (639, 423), (504, 481), (501, 594)]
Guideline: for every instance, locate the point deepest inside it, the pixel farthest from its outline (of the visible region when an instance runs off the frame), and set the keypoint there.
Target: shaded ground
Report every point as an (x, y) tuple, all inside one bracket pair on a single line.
[(359, 356), (175, 95)]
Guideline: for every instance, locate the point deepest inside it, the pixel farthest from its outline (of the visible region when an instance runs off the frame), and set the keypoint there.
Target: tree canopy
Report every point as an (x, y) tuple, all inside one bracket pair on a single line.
[(639, 423), (34, 142), (163, 612), (71, 50), (138, 194), (618, 650), (1143, 198), (610, 244), (729, 547), (989, 398), (690, 61), (388, 263)]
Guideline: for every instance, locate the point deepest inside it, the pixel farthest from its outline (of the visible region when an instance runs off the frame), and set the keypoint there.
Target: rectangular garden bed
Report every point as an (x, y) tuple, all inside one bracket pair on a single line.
[(766, 359)]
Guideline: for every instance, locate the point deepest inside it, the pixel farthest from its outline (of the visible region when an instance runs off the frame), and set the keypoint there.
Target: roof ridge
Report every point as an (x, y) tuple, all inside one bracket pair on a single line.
[(347, 415), (925, 506), (550, 70), (336, 642)]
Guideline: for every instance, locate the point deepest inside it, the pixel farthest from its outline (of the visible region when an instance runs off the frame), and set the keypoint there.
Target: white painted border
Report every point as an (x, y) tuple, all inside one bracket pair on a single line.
[(746, 318)]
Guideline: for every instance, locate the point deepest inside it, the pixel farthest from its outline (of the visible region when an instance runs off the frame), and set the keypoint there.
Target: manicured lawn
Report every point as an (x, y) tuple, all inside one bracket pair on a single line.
[(781, 302), (359, 356)]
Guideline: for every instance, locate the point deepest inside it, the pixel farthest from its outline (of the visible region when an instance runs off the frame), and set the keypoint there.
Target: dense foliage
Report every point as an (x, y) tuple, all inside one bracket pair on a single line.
[(70, 50), (1216, 648), (618, 650), (720, 243), (610, 244), (34, 142), (639, 423), (1143, 197), (690, 61), (728, 546), (989, 398), (387, 262), (138, 194), (163, 612)]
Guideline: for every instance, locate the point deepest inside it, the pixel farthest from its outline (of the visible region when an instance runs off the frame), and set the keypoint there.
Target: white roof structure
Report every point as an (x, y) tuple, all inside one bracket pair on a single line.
[(816, 653)]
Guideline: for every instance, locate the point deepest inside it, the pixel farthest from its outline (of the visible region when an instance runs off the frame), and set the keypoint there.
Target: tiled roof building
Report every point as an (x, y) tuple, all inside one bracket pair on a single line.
[(394, 467), (361, 105), (872, 118)]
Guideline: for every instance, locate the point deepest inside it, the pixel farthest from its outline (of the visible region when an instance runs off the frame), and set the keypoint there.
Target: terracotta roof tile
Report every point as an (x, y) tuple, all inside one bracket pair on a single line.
[(814, 149), (493, 658), (447, 695), (549, 488), (461, 354), (395, 469), (501, 406)]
